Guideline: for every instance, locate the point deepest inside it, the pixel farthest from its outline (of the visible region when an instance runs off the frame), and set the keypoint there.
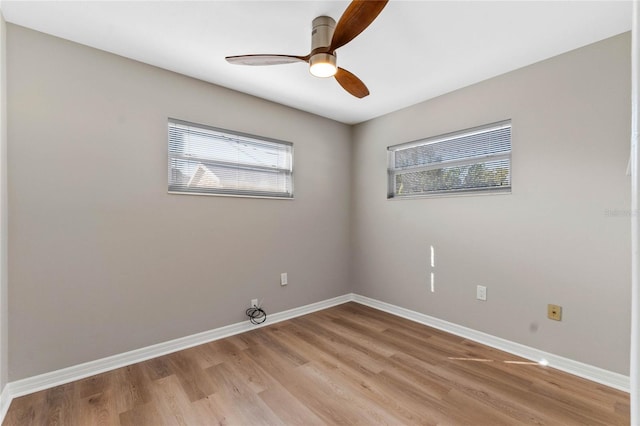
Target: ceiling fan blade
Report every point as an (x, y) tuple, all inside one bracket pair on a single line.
[(358, 16), (351, 83), (265, 59)]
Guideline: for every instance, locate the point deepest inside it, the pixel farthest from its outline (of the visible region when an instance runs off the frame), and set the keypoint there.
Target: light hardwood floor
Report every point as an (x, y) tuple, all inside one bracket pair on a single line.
[(346, 365)]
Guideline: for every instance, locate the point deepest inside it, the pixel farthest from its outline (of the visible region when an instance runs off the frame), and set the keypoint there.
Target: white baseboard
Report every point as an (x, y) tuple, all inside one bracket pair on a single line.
[(81, 371), (586, 371), (91, 368), (5, 401)]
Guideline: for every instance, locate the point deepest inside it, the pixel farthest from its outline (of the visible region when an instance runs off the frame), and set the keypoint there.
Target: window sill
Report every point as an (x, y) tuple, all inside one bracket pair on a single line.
[(506, 191), (229, 195)]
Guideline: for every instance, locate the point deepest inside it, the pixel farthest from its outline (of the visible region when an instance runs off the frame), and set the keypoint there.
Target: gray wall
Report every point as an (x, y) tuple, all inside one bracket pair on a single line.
[(102, 259), (4, 306), (550, 241)]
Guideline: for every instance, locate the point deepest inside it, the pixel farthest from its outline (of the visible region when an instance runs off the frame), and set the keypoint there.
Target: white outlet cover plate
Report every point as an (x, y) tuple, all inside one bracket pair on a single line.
[(283, 278), (481, 292)]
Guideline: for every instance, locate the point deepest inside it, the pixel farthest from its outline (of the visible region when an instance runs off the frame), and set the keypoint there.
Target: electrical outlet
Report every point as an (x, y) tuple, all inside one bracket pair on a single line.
[(481, 292), (283, 278), (254, 303), (554, 312)]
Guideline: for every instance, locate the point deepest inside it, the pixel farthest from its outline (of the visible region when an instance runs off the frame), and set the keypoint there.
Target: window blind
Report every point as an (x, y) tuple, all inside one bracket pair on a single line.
[(207, 160), (477, 159)]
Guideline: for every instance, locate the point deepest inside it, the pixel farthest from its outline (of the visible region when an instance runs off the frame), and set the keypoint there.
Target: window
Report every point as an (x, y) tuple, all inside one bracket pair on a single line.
[(472, 160), (206, 160)]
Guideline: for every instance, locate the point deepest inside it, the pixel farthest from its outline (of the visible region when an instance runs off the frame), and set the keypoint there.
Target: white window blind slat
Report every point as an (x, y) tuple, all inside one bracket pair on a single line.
[(473, 160), (206, 160)]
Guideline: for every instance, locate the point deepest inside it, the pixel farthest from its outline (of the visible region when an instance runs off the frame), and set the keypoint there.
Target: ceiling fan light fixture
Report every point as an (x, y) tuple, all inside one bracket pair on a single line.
[(323, 65)]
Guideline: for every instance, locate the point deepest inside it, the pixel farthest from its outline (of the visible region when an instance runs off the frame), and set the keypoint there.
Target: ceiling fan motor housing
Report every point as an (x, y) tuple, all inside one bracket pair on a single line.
[(321, 34)]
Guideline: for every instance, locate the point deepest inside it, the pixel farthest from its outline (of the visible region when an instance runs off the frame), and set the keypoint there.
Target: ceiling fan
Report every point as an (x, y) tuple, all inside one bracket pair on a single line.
[(326, 38)]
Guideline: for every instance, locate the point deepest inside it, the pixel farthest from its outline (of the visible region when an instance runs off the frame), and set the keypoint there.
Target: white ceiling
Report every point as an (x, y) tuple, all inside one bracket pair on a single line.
[(414, 51)]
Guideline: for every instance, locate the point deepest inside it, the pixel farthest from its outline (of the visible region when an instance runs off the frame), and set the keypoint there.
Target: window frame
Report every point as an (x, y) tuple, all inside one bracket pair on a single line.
[(240, 166), (392, 172)]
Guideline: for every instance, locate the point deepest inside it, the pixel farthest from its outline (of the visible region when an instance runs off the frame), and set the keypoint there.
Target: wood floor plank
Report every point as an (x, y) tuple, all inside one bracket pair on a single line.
[(146, 414), (215, 410), (237, 394), (310, 391), (28, 410), (61, 403), (346, 351), (194, 383), (131, 387), (308, 345), (250, 373), (346, 394), (99, 409), (349, 364), (478, 389), (380, 393), (362, 377), (288, 408), (171, 402), (157, 368)]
